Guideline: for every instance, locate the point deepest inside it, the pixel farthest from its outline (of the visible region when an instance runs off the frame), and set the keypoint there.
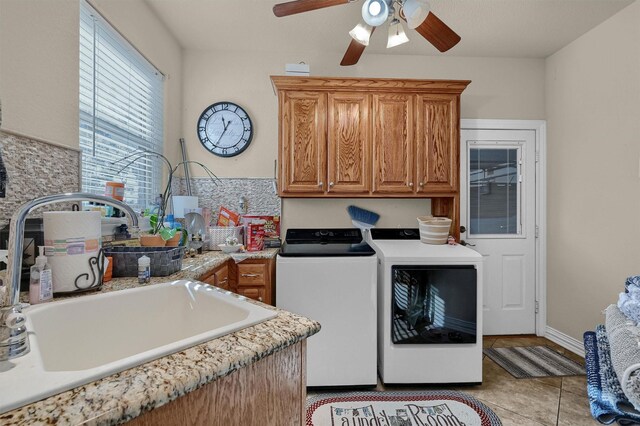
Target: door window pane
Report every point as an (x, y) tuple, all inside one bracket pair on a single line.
[(493, 191)]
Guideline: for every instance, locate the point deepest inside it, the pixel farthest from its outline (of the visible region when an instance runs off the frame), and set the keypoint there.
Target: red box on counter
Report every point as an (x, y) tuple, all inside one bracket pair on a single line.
[(255, 237), (271, 224)]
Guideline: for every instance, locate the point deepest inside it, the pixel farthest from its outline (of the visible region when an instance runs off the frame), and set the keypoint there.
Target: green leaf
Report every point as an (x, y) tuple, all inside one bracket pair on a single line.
[(167, 233), (153, 221)]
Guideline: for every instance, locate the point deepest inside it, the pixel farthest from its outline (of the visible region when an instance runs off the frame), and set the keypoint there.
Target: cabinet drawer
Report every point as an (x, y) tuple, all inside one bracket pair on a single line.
[(251, 274), (255, 293)]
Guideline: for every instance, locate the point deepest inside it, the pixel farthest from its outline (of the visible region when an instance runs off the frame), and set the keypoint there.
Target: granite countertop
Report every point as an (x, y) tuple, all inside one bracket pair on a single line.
[(125, 395), (193, 268)]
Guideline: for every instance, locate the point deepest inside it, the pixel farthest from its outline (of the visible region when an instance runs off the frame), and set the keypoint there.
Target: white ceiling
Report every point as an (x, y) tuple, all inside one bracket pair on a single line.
[(489, 28)]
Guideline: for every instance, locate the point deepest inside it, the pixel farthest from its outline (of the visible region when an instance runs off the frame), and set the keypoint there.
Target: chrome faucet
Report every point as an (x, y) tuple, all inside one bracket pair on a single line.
[(14, 341)]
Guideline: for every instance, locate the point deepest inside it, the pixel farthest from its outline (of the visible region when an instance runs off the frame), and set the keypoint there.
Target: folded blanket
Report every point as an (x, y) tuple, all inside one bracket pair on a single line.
[(606, 399), (632, 389), (623, 338), (633, 280), (629, 303), (608, 377)]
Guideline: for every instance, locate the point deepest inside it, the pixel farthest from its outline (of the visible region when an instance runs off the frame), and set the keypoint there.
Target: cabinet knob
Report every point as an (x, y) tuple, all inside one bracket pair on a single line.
[(330, 183), (421, 184), (411, 184), (249, 275), (260, 299), (320, 184)]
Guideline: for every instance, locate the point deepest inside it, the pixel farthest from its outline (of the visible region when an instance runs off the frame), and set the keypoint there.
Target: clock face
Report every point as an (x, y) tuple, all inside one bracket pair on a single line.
[(225, 129)]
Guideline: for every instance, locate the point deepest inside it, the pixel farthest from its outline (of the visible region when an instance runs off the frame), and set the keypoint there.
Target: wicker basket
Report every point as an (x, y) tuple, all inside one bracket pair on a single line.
[(434, 230), (218, 235), (164, 260)]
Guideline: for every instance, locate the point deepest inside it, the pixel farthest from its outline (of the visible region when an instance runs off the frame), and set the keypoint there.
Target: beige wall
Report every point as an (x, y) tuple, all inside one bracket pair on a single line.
[(593, 116), (39, 42), (501, 88)]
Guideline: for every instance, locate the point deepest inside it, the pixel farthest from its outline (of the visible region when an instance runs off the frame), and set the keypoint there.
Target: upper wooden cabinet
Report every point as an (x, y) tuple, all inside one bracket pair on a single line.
[(349, 150), (349, 137), (437, 143), (303, 141), (393, 143)]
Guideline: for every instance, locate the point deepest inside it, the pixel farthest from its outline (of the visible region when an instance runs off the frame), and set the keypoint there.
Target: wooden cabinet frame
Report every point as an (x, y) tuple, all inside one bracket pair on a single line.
[(410, 134), (410, 130)]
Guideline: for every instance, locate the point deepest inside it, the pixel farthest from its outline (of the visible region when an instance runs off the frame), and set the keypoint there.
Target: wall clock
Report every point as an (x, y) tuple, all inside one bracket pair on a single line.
[(225, 129)]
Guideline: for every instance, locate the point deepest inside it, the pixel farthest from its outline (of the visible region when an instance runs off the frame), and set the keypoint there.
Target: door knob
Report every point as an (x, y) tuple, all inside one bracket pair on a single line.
[(463, 228)]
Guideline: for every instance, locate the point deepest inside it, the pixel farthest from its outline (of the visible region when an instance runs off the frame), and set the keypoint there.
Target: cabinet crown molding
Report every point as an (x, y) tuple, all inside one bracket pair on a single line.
[(369, 84)]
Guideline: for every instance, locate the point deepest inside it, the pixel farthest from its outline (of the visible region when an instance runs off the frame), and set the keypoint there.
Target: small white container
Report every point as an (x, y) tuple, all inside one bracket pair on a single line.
[(434, 230), (144, 269), (228, 248)]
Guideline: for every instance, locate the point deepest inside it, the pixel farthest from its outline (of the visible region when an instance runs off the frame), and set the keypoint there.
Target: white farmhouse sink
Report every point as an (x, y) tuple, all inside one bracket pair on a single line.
[(83, 339)]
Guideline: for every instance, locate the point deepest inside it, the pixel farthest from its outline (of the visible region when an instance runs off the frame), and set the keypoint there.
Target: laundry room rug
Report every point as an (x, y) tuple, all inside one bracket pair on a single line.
[(411, 408), (526, 362)]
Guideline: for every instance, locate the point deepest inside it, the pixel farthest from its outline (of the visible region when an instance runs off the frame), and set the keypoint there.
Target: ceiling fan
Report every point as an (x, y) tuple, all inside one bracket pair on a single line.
[(416, 13)]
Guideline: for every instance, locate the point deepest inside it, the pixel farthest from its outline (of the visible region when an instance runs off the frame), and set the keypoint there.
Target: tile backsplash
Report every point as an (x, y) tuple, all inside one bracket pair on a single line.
[(35, 168), (260, 193)]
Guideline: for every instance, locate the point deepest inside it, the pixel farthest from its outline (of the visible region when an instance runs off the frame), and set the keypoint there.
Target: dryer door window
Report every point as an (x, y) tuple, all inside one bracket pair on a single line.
[(434, 304)]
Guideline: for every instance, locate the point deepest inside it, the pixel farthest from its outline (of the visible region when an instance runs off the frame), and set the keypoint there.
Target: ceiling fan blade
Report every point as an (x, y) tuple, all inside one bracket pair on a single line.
[(299, 6), (438, 33), (354, 51)]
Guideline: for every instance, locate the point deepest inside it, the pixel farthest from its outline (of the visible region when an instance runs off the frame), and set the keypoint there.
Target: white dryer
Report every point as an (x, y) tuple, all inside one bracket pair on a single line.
[(429, 309)]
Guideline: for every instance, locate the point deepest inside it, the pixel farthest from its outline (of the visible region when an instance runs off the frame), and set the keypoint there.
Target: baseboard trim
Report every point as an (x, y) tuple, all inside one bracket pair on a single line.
[(564, 340)]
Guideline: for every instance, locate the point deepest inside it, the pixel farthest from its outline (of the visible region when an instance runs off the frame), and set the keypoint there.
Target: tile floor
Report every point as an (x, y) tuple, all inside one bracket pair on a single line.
[(556, 401)]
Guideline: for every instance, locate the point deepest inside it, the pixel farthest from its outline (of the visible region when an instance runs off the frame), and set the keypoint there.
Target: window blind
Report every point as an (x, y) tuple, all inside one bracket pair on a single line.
[(121, 112)]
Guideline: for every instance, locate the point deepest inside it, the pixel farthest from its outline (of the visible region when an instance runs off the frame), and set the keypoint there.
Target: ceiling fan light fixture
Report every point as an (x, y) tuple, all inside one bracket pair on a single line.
[(397, 35), (415, 12), (361, 33), (375, 12)]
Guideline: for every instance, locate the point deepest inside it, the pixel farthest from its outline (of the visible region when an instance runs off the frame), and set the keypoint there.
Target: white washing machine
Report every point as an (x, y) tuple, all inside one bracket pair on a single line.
[(329, 275), (429, 309)]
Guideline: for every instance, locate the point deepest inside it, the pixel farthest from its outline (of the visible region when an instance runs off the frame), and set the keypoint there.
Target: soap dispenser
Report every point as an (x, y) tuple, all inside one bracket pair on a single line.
[(40, 284)]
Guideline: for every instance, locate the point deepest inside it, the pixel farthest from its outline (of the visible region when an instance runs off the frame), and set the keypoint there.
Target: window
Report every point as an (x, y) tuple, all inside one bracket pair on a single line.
[(494, 190), (121, 105)]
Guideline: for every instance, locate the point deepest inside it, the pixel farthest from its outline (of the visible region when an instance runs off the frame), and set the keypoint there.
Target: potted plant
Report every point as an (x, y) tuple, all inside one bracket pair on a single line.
[(159, 234)]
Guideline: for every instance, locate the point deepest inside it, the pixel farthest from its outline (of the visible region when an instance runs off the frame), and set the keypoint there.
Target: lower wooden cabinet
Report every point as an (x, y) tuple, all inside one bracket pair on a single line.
[(252, 278), (219, 277), (269, 392), (255, 293), (255, 279)]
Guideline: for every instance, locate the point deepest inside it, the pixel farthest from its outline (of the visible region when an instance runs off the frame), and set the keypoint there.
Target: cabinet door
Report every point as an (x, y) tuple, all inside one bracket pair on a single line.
[(393, 142), (255, 293), (349, 153), (221, 277), (303, 142), (437, 143)]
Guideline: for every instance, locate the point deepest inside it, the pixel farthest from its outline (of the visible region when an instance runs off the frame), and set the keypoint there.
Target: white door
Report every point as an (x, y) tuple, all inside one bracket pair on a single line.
[(498, 211)]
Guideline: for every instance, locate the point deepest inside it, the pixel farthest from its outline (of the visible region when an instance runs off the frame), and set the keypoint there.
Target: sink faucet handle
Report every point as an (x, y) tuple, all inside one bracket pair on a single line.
[(15, 319)]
